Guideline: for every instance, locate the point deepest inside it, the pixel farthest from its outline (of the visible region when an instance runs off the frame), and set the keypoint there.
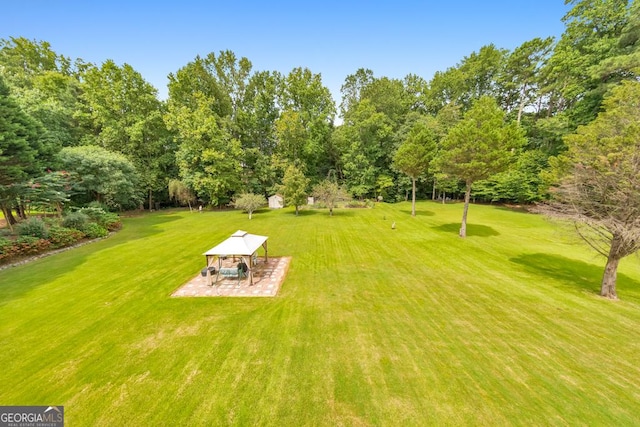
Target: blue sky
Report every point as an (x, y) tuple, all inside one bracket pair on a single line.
[(333, 38)]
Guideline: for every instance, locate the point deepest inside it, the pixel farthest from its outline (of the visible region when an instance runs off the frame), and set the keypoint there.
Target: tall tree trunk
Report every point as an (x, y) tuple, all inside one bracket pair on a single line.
[(6, 211), (150, 200), (413, 196), (522, 102), (433, 190), (467, 198), (296, 210), (21, 211), (8, 216), (608, 287)]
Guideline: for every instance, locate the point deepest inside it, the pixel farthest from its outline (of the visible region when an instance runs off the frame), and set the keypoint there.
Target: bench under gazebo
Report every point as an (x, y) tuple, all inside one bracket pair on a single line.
[(241, 245)]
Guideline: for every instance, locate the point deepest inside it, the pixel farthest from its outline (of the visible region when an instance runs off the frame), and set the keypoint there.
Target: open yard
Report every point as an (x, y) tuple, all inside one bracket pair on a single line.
[(372, 326)]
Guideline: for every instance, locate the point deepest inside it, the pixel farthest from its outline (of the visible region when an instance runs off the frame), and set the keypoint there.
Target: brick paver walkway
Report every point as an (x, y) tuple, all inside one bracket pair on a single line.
[(267, 278)]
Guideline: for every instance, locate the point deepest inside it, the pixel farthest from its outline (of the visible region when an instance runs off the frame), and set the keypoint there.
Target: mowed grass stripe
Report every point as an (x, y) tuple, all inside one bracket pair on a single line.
[(372, 325)]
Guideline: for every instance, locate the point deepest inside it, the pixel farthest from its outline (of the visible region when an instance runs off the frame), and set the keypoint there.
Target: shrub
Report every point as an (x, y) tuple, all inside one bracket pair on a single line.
[(94, 213), (76, 220), (359, 204), (99, 205), (34, 226), (93, 230), (61, 236), (111, 221), (108, 220), (5, 244), (29, 245)]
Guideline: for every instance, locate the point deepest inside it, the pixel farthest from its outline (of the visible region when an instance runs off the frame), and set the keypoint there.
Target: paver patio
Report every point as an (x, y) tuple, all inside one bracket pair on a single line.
[(267, 278)]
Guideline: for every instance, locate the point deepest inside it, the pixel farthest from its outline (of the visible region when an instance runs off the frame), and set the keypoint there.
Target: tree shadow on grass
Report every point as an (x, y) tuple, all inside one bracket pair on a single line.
[(342, 212), (473, 230), (306, 212), (572, 273), (419, 212)]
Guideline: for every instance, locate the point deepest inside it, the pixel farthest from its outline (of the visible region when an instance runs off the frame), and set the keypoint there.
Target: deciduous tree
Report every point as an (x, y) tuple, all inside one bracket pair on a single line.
[(208, 157), (127, 118), (294, 187), (329, 193), (249, 202), (101, 175), (179, 192)]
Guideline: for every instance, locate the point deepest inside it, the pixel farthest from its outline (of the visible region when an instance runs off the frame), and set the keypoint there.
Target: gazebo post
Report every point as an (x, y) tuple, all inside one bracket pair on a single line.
[(208, 275)]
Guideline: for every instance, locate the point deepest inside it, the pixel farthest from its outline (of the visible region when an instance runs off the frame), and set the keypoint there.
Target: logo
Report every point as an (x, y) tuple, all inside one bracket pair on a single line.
[(31, 416)]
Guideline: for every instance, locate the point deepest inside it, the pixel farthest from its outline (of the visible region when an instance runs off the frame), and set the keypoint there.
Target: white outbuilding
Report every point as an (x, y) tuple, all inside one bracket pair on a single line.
[(276, 201)]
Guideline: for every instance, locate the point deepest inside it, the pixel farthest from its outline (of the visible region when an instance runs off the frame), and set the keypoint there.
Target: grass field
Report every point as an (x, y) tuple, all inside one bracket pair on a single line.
[(372, 326)]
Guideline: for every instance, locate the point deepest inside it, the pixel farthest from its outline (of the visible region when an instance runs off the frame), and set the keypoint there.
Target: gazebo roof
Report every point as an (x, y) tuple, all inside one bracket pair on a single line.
[(240, 243)]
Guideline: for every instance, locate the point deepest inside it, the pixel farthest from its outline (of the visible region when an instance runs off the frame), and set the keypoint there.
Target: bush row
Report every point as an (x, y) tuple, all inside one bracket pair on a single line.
[(36, 235)]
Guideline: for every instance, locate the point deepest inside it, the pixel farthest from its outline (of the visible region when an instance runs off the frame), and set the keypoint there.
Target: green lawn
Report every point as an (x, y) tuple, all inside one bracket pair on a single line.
[(372, 326)]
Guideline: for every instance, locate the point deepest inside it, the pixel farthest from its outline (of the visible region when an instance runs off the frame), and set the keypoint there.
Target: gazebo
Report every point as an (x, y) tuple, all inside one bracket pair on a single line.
[(241, 245)]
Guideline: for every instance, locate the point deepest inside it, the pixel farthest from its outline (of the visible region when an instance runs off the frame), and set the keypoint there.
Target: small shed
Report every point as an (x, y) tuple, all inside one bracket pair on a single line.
[(241, 244), (276, 201)]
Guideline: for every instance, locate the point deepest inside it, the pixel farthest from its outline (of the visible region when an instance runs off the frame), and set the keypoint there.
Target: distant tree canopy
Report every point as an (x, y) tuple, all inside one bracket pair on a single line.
[(227, 128)]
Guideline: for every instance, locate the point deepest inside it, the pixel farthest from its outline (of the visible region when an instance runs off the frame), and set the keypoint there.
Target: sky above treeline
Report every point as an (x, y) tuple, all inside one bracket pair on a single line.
[(332, 38)]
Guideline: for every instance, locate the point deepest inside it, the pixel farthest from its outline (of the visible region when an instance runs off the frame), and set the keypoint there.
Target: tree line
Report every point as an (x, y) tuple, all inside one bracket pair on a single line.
[(491, 127)]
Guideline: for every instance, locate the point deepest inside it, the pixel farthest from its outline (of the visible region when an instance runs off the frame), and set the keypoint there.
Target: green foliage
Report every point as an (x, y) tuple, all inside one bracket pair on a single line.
[(94, 213), (598, 184), (61, 237), (108, 220), (98, 205), (366, 141), (124, 111), (21, 143), (5, 244), (521, 183), (29, 245), (102, 175), (249, 202), (415, 154), (51, 190), (480, 145), (75, 220), (46, 87), (359, 204), (34, 227), (329, 193), (209, 157), (180, 192), (294, 187), (579, 72), (476, 76), (93, 230)]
